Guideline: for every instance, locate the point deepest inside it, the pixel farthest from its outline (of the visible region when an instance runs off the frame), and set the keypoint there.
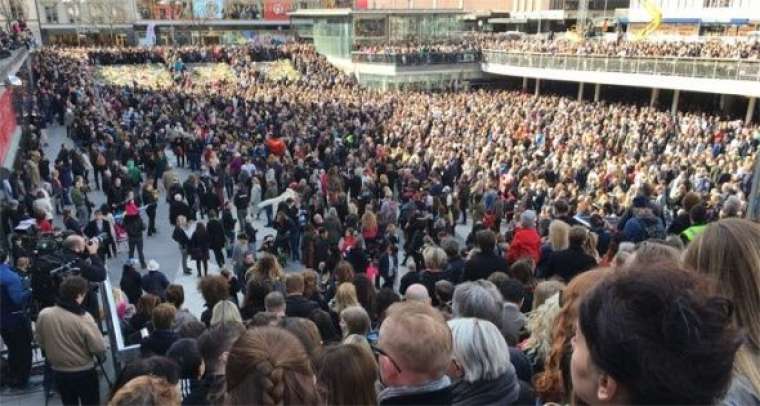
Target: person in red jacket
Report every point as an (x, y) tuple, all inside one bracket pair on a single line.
[(526, 241)]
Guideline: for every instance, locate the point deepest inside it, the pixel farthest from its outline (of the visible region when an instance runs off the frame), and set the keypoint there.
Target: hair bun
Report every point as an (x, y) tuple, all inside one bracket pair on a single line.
[(681, 324)]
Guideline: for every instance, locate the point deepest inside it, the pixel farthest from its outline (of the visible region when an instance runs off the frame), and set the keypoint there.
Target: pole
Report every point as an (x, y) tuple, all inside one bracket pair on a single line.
[(753, 203), (580, 91), (597, 91), (525, 84), (750, 110), (655, 95), (674, 107), (538, 86)]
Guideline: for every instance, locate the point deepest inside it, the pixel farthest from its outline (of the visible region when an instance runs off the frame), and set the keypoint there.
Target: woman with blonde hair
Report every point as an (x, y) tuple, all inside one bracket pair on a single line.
[(269, 366), (557, 240), (729, 252), (554, 383), (369, 225), (345, 297)]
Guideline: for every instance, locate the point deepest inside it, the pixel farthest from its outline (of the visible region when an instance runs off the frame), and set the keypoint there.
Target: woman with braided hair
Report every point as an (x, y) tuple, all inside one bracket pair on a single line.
[(269, 366)]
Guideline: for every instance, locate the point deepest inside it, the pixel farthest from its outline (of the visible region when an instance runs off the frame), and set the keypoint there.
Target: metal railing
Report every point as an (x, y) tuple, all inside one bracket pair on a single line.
[(420, 58), (121, 353), (728, 69)]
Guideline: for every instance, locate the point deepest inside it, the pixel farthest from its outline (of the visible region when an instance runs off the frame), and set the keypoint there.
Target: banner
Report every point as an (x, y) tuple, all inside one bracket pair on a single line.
[(277, 9), (7, 122)]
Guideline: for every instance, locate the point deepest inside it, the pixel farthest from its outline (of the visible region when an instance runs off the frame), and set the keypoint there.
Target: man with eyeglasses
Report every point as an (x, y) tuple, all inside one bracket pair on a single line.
[(413, 352)]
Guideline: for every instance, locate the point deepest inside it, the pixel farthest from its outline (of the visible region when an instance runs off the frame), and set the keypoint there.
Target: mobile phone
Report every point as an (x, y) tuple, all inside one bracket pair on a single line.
[(144, 332)]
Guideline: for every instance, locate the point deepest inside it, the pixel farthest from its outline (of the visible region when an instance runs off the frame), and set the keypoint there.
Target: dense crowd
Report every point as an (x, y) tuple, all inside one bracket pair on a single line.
[(581, 221), (17, 36), (620, 47)]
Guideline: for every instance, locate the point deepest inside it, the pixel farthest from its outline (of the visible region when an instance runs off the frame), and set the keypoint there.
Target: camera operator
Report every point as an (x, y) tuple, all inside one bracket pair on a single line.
[(82, 254), (15, 325)]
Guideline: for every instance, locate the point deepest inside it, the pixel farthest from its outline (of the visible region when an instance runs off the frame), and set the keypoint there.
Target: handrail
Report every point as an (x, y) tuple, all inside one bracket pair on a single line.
[(715, 68), (684, 58), (120, 352)]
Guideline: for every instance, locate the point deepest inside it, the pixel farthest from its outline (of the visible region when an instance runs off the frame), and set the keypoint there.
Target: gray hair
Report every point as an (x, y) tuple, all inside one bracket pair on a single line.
[(480, 299), (479, 349), (274, 301), (435, 258)]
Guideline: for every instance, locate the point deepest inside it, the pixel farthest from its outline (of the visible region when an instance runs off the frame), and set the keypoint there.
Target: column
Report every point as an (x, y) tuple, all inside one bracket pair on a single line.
[(525, 84), (722, 102), (580, 91), (750, 110), (655, 95), (597, 92), (674, 107), (538, 86)]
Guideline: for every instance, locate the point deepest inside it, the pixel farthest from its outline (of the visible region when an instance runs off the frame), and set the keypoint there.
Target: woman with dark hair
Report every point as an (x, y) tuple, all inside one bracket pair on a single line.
[(253, 302), (199, 247), (365, 292), (214, 289), (346, 375), (678, 345), (216, 236), (326, 326), (269, 366)]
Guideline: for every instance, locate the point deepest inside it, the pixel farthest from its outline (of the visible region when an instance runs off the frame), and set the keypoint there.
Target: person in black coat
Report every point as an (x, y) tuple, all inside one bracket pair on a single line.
[(134, 226), (179, 208), (199, 247), (131, 282), (217, 238), (180, 235), (296, 305), (570, 262), (70, 222), (100, 227), (485, 262), (163, 336)]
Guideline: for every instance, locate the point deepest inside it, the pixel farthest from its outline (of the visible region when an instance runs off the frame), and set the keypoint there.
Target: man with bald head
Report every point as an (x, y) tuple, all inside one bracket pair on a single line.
[(82, 255), (417, 293), (414, 350)]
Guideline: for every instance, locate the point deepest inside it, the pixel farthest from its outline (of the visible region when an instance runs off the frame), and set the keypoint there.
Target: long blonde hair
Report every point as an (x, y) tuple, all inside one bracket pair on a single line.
[(345, 297), (729, 252), (559, 233), (369, 221)]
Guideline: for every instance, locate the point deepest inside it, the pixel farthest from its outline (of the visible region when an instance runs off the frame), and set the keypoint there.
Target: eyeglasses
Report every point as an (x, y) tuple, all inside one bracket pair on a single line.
[(378, 352)]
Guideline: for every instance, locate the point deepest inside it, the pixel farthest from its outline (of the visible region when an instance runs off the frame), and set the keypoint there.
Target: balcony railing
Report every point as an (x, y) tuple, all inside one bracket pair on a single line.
[(727, 69), (421, 58)]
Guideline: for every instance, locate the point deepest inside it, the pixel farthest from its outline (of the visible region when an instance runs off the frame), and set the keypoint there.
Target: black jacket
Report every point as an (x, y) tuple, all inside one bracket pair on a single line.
[(92, 230), (134, 227), (158, 342), (199, 246), (179, 208), (131, 284), (568, 263), (180, 237), (215, 234), (299, 306), (438, 397), (482, 265)]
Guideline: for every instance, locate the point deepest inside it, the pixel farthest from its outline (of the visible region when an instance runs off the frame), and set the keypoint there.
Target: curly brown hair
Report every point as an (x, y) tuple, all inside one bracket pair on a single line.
[(214, 289)]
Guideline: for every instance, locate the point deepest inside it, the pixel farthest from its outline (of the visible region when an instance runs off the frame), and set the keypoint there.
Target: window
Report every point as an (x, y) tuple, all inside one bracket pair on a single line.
[(51, 14)]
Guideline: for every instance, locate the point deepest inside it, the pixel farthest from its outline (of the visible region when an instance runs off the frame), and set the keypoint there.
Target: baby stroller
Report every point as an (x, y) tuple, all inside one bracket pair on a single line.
[(120, 233)]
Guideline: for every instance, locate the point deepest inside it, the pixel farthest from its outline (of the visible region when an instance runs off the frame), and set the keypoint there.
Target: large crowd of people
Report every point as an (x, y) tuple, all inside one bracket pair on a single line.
[(16, 36), (555, 250), (748, 49)]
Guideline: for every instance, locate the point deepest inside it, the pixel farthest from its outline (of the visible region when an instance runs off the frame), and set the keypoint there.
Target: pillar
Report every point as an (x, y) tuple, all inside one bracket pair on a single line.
[(674, 107), (750, 110), (722, 102), (597, 92), (525, 85), (538, 86), (655, 95), (580, 91)]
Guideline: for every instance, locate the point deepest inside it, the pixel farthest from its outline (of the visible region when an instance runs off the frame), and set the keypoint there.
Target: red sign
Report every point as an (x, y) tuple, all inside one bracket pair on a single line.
[(277, 9), (7, 122), (361, 4)]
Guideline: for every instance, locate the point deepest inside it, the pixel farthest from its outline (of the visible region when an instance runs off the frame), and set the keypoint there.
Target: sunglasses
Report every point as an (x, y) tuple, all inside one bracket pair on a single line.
[(378, 352)]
